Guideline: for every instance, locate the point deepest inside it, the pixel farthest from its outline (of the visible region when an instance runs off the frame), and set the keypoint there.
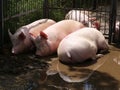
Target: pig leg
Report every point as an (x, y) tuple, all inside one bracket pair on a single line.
[(103, 47), (97, 56)]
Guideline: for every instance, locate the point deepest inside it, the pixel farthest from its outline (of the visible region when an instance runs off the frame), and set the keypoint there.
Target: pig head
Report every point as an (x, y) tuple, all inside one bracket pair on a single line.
[(21, 39), (81, 45), (48, 40)]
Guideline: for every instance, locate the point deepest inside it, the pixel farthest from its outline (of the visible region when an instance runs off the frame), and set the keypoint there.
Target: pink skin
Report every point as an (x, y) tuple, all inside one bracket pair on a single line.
[(82, 16), (48, 40), (81, 45), (95, 23), (36, 30), (78, 16), (21, 39)]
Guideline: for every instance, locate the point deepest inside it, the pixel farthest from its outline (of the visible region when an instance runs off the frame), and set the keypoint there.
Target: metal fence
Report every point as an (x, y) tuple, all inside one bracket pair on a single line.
[(16, 13), (118, 21), (103, 10)]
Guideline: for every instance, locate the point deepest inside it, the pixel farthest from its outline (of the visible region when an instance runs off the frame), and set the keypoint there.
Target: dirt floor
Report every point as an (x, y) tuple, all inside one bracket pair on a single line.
[(28, 72)]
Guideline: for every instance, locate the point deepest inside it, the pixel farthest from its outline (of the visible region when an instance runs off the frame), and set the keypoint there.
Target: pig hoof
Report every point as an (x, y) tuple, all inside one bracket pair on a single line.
[(99, 56)]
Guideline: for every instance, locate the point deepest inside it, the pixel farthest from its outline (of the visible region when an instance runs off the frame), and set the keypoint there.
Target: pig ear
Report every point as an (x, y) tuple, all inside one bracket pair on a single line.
[(42, 34), (21, 36), (32, 36), (96, 25), (9, 33)]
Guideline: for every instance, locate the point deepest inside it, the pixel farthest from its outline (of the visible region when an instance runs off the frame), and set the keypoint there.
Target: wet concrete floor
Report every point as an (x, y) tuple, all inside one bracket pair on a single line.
[(28, 72)]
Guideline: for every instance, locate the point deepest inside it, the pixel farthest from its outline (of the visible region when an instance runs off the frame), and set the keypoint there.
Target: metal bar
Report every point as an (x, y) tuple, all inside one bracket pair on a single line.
[(74, 4), (1, 23), (112, 21), (45, 9), (94, 5), (20, 14)]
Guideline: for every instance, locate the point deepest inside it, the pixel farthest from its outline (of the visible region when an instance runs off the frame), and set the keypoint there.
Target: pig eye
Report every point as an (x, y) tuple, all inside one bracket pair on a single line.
[(38, 39), (15, 42)]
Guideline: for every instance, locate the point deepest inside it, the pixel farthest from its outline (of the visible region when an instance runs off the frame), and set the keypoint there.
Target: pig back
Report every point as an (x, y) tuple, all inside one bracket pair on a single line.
[(54, 34), (36, 30), (63, 27), (75, 49), (80, 45)]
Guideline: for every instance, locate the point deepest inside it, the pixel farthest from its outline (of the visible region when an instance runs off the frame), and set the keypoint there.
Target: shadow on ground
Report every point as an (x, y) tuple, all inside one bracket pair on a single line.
[(28, 72)]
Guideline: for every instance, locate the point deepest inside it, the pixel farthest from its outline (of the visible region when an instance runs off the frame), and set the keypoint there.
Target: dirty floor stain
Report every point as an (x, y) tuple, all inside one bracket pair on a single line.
[(28, 72)]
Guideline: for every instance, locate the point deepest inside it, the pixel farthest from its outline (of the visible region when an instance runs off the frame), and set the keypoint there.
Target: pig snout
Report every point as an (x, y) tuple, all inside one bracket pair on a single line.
[(96, 25), (13, 51), (17, 50)]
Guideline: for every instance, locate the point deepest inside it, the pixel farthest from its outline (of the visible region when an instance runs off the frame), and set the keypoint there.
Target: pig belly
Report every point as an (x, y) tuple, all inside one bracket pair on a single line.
[(74, 50)]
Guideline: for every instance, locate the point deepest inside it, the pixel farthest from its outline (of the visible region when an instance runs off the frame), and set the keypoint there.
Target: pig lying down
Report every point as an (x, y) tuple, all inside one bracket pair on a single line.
[(21, 39), (83, 16), (48, 40), (81, 45), (78, 16)]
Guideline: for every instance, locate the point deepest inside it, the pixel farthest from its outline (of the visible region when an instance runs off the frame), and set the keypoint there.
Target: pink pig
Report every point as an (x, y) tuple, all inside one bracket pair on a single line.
[(83, 16), (48, 40), (36, 30), (81, 45), (21, 39)]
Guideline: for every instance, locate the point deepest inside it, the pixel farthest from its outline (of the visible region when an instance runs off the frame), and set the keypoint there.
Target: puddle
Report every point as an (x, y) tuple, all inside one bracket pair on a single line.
[(116, 58), (74, 73), (27, 72)]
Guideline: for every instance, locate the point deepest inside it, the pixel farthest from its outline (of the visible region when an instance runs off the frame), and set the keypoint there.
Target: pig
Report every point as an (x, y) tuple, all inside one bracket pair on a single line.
[(48, 40), (83, 16), (82, 45), (21, 39)]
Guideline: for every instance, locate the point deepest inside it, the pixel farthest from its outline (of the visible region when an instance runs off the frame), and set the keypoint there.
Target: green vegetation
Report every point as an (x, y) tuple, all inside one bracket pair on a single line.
[(21, 12)]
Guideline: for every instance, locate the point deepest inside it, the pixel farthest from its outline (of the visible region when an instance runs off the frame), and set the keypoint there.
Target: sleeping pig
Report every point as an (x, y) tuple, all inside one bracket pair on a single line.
[(84, 17), (48, 40), (21, 39), (81, 45)]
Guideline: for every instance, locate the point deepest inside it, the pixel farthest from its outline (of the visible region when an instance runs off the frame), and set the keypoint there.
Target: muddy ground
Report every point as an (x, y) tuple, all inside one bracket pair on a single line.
[(28, 72)]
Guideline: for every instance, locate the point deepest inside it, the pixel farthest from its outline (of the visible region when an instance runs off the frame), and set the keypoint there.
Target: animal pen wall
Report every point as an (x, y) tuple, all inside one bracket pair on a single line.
[(16, 13)]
